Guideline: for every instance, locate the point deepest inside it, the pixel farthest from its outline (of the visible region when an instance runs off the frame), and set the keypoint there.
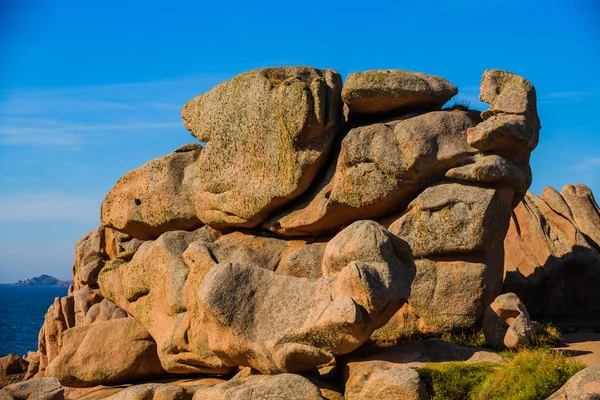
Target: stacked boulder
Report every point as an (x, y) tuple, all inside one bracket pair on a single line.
[(316, 216), (552, 252), (77, 325)]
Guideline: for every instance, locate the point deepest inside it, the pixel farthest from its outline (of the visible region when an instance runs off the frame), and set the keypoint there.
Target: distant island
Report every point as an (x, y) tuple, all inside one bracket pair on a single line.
[(43, 280)]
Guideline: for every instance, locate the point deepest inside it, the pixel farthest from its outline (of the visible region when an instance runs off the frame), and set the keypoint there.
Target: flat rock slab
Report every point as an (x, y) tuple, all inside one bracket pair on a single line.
[(380, 91)]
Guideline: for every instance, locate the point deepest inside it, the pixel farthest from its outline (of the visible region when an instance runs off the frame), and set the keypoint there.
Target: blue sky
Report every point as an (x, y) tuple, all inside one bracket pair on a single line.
[(91, 90)]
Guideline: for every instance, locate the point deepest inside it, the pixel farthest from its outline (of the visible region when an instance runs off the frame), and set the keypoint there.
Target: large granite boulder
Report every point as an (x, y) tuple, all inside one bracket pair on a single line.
[(455, 218), (267, 134), (110, 352), (156, 197), (254, 319), (380, 91)]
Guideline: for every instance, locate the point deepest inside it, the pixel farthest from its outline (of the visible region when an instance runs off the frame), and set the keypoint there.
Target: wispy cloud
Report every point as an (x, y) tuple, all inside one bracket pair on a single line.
[(81, 116), (562, 97), (590, 164), (49, 207), (574, 94)]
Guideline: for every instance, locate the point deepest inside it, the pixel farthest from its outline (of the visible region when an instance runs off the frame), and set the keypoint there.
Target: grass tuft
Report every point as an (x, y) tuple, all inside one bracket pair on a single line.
[(549, 337), (458, 104), (454, 380), (531, 374), (467, 338)]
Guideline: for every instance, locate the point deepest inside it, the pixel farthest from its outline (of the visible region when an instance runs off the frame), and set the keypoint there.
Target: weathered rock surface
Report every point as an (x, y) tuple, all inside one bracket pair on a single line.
[(585, 210), (156, 197), (380, 91), (448, 293), (34, 389), (507, 93), (454, 218), (150, 391), (105, 353), (584, 385), (254, 319), (380, 167), (267, 134), (90, 257), (158, 287), (283, 386), (549, 262), (506, 322), (12, 369), (385, 382)]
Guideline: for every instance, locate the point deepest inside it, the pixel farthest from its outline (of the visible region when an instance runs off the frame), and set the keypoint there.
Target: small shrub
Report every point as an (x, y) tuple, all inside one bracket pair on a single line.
[(468, 338), (458, 104), (550, 337)]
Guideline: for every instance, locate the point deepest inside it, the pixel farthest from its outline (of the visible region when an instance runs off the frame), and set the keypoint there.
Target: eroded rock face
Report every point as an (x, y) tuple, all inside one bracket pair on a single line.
[(380, 168), (158, 287), (110, 352), (156, 197), (12, 369), (38, 389), (254, 319), (90, 257), (550, 263), (267, 134), (584, 209), (380, 91)]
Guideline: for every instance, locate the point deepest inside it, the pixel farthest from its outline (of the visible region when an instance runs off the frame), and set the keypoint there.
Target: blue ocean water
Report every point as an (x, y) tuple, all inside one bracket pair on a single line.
[(22, 310)]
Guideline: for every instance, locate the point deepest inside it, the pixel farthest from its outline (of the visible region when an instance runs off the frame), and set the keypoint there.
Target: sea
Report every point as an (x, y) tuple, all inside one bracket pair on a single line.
[(22, 310)]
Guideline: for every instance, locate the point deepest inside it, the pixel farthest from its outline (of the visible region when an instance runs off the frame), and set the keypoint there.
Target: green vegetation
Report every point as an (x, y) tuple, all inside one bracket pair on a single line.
[(531, 374), (549, 337), (454, 380), (468, 339)]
